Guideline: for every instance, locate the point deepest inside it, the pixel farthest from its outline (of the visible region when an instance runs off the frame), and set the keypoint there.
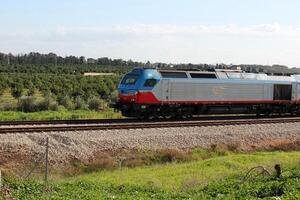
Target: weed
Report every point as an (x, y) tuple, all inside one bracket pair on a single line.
[(279, 145), (133, 162), (170, 155), (233, 146), (102, 162), (190, 183)]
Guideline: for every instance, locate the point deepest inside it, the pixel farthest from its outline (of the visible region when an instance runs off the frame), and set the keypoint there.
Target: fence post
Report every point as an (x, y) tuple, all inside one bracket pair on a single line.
[(46, 160), (277, 168), (0, 180)]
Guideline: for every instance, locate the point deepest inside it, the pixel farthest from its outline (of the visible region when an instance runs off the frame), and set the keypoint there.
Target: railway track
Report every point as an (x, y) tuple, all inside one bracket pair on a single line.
[(134, 124), (125, 120)]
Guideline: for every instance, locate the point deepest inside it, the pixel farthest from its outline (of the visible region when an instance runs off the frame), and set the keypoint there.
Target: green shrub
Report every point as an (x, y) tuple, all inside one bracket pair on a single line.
[(97, 104), (113, 97), (27, 104), (7, 106), (67, 103), (17, 92), (80, 104), (31, 91), (48, 103)]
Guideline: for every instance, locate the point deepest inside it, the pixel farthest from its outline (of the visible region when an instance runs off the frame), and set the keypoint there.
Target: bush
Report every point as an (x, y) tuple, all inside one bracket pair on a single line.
[(97, 104), (31, 91), (67, 103), (27, 104), (48, 104), (17, 92), (8, 106), (80, 104), (113, 97)]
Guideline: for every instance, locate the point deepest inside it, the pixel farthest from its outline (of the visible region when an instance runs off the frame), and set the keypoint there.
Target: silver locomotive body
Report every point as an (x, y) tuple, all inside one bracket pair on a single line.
[(187, 93)]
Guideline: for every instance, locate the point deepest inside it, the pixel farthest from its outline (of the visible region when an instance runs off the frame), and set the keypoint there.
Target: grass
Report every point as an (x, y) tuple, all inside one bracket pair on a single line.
[(172, 176), (218, 177), (55, 115)]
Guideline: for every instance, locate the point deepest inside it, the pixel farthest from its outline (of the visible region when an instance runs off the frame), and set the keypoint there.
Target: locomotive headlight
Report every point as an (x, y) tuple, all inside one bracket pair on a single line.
[(132, 93), (143, 106)]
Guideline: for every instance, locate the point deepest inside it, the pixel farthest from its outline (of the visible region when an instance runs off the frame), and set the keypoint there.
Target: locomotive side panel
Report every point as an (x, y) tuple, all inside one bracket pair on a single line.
[(213, 91)]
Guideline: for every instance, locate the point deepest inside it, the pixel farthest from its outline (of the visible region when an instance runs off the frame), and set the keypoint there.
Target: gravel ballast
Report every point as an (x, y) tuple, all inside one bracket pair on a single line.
[(83, 144)]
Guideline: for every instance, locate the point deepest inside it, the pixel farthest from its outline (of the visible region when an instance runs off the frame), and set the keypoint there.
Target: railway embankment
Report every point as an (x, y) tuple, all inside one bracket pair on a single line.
[(84, 146)]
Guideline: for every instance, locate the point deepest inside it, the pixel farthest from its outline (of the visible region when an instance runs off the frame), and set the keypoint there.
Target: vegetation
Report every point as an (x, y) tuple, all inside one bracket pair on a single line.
[(217, 177), (37, 82), (62, 113), (58, 85), (42, 92)]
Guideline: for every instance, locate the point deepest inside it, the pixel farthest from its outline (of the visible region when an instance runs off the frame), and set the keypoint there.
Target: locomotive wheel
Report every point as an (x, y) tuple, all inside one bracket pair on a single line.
[(167, 116), (141, 117)]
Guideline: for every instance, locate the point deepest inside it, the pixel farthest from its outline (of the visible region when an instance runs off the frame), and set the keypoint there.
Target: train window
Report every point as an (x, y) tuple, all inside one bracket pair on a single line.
[(136, 71), (129, 79), (197, 75), (282, 92), (150, 82), (234, 75), (173, 74)]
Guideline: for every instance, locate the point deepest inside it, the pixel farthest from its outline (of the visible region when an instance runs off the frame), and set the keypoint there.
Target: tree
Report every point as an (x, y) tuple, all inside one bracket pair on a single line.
[(67, 103), (80, 103), (17, 91)]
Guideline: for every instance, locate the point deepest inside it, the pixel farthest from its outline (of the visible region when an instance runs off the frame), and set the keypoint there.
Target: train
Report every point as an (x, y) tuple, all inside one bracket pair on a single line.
[(158, 93)]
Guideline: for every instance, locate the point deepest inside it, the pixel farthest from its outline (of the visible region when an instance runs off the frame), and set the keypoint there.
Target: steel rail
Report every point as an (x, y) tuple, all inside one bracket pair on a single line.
[(144, 125), (127, 120)]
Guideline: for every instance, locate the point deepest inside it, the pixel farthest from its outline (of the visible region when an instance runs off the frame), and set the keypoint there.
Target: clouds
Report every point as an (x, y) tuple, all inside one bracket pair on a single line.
[(140, 30), (262, 43), (148, 30)]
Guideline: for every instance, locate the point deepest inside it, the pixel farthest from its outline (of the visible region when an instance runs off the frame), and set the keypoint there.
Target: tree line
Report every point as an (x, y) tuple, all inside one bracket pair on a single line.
[(35, 62), (36, 58)]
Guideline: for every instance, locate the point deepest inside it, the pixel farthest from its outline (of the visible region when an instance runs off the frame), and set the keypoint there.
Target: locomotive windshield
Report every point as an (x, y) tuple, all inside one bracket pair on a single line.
[(130, 79), (150, 82)]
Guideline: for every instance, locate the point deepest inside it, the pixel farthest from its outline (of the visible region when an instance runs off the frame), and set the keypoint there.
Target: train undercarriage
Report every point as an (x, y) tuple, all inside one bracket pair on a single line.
[(189, 110)]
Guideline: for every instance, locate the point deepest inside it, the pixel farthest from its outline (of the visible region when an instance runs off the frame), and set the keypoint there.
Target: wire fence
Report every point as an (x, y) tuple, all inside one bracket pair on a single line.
[(43, 160)]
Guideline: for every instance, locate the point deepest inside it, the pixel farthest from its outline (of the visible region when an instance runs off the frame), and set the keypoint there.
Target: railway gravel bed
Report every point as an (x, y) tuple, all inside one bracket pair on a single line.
[(84, 145)]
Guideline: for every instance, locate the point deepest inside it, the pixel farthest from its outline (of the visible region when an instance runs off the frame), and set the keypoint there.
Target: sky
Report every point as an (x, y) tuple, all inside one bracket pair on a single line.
[(170, 31)]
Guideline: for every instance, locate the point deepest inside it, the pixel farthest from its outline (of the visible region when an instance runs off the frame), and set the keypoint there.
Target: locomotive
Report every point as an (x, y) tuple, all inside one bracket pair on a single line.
[(154, 93)]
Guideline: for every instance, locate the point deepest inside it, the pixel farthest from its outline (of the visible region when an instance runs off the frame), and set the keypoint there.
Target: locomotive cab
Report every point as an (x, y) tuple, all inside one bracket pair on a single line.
[(135, 88)]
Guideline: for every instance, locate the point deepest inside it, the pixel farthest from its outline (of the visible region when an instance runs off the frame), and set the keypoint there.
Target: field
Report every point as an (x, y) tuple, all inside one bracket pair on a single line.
[(219, 176), (56, 115)]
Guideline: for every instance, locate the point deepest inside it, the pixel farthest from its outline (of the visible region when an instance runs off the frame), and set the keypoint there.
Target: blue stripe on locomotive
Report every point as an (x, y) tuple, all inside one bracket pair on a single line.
[(143, 75)]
